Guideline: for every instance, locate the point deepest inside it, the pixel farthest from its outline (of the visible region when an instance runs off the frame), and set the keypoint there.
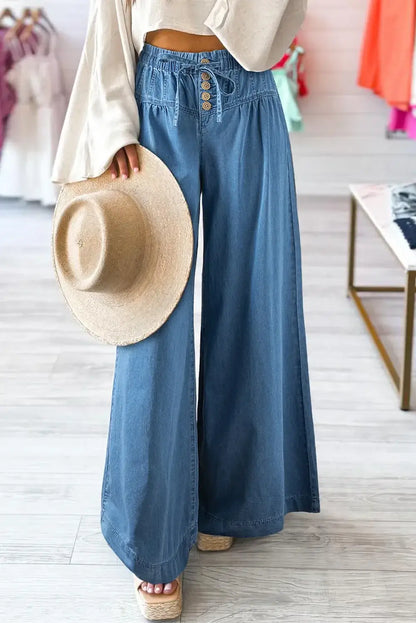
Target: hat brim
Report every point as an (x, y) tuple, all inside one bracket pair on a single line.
[(133, 314)]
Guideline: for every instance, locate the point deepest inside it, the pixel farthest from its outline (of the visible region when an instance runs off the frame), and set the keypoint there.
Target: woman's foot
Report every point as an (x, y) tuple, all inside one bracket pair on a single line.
[(167, 588)]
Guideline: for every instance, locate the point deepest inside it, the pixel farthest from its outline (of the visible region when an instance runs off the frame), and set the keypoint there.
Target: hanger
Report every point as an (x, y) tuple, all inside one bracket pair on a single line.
[(12, 32), (295, 46), (7, 13), (37, 16), (42, 13)]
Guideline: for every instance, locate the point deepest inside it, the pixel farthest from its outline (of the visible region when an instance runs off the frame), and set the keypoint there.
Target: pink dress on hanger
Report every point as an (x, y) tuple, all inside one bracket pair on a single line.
[(7, 95), (20, 131), (34, 125)]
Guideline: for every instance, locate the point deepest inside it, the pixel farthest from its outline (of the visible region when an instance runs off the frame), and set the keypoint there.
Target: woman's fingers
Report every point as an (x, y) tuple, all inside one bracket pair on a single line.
[(113, 168), (122, 163), (124, 157), (133, 157)]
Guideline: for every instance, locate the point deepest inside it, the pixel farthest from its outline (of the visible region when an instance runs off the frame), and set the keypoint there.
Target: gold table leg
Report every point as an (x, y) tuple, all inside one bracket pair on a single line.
[(402, 381), (351, 245), (406, 371)]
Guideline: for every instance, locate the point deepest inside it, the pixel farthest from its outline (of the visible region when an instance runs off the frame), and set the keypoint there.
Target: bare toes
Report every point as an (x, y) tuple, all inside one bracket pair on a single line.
[(167, 588), (170, 587)]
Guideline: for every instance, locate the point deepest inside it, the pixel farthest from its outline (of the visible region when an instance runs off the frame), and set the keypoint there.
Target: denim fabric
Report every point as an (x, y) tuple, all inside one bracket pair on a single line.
[(239, 458)]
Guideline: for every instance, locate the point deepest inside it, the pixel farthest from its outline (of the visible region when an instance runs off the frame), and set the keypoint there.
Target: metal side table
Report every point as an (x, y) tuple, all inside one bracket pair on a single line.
[(374, 200)]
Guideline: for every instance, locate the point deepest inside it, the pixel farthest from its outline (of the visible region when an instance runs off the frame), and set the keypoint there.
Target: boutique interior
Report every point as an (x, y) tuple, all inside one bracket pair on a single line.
[(347, 87)]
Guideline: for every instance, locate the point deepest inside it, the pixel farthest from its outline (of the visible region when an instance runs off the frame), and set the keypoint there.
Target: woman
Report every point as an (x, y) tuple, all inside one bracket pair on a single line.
[(191, 82)]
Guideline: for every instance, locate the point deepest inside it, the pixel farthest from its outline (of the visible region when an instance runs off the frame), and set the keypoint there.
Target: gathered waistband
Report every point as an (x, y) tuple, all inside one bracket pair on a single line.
[(222, 58), (214, 63)]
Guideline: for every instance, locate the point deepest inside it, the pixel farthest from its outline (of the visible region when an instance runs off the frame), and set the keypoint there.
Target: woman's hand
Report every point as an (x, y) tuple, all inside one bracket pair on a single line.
[(124, 157)]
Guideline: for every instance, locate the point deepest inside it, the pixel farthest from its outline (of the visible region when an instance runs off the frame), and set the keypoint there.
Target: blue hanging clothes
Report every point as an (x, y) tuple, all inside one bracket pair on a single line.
[(286, 79)]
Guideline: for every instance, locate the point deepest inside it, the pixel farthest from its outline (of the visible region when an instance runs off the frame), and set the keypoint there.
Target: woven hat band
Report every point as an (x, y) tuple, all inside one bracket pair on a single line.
[(102, 241)]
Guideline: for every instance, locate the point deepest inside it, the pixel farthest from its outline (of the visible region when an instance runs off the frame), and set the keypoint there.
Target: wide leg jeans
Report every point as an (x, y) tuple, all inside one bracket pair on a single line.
[(242, 455)]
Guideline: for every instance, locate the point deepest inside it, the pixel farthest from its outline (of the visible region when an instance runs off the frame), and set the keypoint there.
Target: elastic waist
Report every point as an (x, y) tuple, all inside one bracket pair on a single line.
[(152, 54)]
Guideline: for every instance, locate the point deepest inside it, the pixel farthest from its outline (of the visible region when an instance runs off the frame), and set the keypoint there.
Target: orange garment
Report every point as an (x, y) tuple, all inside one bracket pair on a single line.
[(387, 50)]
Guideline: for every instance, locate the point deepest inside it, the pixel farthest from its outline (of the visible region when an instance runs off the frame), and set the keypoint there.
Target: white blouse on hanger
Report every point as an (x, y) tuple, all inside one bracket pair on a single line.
[(33, 128), (102, 114)]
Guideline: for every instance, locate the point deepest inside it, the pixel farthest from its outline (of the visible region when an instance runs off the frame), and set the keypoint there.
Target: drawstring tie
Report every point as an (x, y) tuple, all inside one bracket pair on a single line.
[(212, 71)]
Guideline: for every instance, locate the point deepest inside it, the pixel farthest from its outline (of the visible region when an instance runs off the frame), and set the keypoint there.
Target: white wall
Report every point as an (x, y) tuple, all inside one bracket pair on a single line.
[(344, 137)]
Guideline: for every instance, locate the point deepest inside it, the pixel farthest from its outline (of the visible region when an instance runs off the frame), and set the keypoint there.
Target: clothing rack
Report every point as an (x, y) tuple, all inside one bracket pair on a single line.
[(32, 104)]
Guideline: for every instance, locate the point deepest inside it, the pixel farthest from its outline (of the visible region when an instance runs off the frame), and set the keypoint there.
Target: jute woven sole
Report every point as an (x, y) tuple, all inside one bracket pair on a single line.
[(213, 542), (159, 606)]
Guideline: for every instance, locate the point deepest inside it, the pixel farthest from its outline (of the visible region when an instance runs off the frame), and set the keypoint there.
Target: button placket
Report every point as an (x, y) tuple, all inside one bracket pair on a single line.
[(213, 73), (205, 84)]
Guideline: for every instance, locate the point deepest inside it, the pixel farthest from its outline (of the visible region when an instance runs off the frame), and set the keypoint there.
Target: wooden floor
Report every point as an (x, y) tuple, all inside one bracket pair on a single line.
[(354, 561)]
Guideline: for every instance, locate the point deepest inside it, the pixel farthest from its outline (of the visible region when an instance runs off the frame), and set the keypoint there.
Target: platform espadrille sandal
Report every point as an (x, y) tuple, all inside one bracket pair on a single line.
[(213, 542), (159, 606)]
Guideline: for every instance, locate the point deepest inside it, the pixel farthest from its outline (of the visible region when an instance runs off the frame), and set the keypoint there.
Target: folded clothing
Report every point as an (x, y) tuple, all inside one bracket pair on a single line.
[(403, 205)]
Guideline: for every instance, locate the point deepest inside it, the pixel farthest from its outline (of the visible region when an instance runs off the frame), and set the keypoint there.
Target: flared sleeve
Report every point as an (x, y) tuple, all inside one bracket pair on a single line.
[(256, 32), (102, 114)]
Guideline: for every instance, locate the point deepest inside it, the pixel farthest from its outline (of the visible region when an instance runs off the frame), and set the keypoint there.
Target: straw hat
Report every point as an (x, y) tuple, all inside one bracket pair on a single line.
[(122, 250)]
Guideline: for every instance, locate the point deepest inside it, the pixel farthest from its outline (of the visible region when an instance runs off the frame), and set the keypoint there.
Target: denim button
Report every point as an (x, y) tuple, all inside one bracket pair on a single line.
[(206, 105), (205, 95), (205, 85), (204, 60), (205, 75)]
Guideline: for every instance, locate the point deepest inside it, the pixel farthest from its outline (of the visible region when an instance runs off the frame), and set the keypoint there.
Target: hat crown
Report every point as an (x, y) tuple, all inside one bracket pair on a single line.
[(102, 239)]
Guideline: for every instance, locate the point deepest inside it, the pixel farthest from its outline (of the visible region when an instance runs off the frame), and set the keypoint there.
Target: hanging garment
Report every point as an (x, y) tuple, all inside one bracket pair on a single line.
[(51, 104), (248, 458), (286, 79), (11, 52), (302, 87), (8, 96), (387, 51), (404, 121), (413, 76), (34, 125), (20, 137)]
